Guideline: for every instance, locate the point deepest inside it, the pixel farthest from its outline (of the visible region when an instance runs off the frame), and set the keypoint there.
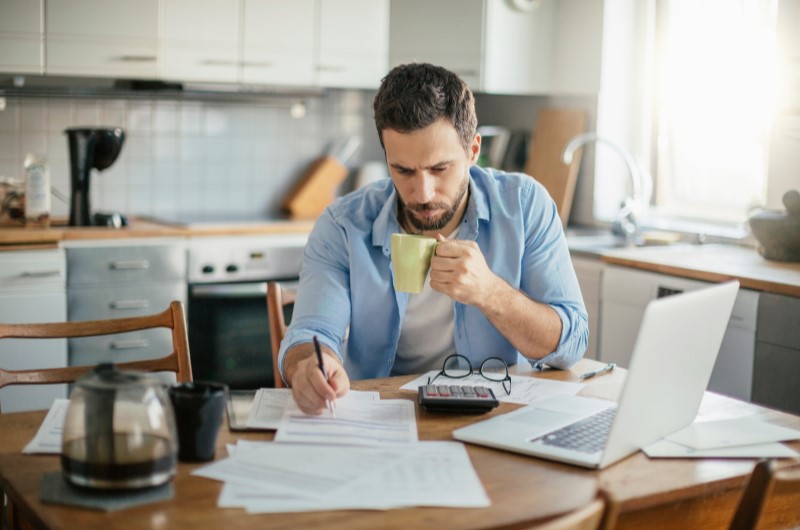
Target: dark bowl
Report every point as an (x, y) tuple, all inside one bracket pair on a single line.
[(777, 233)]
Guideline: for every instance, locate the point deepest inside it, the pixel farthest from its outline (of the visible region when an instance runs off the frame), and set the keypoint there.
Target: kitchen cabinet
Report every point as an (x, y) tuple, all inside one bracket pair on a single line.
[(493, 45), (116, 279), (200, 40), (625, 293), (353, 48), (21, 37), (776, 378), (102, 38), (32, 290), (589, 272), (278, 42)]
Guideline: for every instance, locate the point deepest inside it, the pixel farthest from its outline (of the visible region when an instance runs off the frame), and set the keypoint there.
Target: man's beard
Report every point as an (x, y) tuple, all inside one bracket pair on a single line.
[(427, 225)]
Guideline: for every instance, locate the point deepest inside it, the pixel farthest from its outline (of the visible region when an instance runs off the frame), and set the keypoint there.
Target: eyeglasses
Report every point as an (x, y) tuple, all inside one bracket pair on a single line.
[(494, 369)]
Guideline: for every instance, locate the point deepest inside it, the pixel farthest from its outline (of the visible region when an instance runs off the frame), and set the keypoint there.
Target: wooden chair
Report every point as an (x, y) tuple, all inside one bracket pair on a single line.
[(587, 518), (173, 318), (771, 498), (278, 298), (178, 361)]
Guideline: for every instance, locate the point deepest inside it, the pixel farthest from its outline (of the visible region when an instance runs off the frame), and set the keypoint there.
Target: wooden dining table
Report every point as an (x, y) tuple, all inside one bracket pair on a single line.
[(640, 492)]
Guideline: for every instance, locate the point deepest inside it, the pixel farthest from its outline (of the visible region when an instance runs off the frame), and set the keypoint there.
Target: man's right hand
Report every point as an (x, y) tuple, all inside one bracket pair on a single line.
[(309, 388)]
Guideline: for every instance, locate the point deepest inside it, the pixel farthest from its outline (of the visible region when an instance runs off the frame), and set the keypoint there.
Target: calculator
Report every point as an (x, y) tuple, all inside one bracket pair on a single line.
[(460, 399)]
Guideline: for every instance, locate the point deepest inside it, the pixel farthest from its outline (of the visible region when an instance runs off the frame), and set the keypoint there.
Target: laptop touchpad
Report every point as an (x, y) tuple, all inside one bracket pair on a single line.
[(543, 418)]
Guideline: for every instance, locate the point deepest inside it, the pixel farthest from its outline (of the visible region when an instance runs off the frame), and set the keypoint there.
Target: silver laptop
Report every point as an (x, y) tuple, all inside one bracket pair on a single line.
[(673, 357)]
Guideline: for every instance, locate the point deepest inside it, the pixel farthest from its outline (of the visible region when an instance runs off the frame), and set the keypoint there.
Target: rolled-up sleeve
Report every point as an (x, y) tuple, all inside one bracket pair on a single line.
[(549, 277), (322, 307)]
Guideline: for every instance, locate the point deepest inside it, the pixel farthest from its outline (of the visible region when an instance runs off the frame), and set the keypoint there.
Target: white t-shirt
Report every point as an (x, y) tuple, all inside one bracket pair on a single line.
[(427, 335)]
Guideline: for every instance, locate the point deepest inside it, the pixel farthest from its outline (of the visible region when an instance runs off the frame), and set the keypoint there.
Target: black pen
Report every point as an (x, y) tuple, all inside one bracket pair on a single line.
[(600, 371), (331, 406)]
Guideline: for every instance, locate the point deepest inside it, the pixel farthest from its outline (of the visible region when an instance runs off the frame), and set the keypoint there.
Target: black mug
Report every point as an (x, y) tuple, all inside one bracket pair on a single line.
[(199, 407)]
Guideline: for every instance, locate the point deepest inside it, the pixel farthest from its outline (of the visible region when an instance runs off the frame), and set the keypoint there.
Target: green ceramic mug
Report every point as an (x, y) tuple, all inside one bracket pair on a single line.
[(411, 259)]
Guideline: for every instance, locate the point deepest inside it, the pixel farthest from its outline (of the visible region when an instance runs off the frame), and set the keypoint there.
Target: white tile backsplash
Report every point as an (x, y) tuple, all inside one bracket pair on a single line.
[(184, 156)]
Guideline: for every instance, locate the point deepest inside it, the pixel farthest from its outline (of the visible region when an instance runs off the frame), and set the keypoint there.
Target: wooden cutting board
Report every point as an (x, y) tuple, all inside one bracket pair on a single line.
[(554, 128)]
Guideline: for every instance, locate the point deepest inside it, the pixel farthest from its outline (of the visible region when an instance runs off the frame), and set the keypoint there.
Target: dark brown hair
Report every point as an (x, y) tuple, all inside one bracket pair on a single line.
[(413, 96)]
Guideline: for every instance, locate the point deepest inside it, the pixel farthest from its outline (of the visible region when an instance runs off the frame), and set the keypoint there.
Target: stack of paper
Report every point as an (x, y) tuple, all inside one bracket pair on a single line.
[(746, 437), (264, 477), (366, 457)]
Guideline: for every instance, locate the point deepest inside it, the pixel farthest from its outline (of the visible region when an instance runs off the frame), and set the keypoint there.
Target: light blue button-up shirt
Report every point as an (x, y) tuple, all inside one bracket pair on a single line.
[(347, 279)]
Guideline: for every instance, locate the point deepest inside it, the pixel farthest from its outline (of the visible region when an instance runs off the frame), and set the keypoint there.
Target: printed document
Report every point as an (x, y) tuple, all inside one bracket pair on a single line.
[(48, 437), (269, 477), (269, 404), (357, 422)]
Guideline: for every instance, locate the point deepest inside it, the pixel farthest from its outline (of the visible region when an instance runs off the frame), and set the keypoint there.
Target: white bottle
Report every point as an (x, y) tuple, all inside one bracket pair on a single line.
[(37, 191)]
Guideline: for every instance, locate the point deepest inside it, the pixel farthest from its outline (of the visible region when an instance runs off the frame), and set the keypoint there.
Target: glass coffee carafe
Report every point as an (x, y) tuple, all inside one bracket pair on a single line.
[(119, 431)]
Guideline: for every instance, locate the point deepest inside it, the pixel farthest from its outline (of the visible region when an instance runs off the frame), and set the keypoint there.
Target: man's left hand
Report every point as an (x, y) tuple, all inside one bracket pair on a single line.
[(459, 270)]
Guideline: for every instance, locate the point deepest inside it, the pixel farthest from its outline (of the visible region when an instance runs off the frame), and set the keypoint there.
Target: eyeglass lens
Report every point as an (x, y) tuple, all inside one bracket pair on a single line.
[(494, 369), (457, 366)]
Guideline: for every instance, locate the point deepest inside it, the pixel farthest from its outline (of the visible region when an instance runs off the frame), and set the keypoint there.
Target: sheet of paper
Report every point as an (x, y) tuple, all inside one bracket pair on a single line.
[(378, 478), (731, 433), (524, 390), (667, 449), (48, 437), (300, 470), (357, 422), (269, 404)]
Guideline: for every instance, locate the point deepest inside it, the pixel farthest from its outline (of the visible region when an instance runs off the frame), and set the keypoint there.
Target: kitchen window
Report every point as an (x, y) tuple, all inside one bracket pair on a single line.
[(713, 94), (690, 89)]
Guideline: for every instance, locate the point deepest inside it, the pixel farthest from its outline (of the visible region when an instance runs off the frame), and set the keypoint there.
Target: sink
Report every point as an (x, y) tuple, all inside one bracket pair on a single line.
[(598, 242)]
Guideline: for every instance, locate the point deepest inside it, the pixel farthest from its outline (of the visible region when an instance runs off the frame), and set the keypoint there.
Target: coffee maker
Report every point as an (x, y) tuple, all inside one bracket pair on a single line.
[(89, 148)]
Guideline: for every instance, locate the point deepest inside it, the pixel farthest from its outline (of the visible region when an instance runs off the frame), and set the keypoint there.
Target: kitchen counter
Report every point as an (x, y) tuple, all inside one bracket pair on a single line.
[(713, 263), (14, 236)]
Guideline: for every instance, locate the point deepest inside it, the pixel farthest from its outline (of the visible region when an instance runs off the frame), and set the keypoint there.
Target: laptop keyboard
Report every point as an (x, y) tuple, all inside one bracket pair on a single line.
[(587, 436)]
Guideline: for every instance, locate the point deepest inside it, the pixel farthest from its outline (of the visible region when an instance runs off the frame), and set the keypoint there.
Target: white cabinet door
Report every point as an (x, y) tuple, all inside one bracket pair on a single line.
[(518, 56), (448, 33), (21, 37), (278, 42), (32, 289), (493, 46), (589, 273), (200, 40), (353, 43), (102, 37)]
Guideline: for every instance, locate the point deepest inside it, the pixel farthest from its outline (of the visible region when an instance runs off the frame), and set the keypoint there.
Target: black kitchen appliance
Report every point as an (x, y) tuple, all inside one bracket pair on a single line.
[(89, 148)]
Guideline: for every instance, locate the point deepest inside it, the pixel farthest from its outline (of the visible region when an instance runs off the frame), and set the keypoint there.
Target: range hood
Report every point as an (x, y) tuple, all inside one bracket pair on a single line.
[(91, 87)]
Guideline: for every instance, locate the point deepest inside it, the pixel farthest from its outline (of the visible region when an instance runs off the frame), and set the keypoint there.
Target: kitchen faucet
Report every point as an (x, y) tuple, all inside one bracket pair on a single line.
[(626, 224)]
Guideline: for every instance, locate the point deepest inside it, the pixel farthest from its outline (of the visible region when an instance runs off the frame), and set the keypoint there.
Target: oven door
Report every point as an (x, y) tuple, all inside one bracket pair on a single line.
[(229, 334)]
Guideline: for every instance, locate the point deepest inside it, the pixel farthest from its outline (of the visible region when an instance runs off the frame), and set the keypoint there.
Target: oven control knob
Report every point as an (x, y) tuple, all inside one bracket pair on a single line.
[(232, 268), (208, 269)]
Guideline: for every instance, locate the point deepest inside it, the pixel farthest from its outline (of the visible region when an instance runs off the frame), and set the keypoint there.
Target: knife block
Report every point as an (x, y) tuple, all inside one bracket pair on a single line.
[(316, 189)]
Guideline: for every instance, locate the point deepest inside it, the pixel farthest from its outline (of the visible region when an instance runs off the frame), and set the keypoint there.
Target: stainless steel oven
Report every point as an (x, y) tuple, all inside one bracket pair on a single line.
[(227, 309)]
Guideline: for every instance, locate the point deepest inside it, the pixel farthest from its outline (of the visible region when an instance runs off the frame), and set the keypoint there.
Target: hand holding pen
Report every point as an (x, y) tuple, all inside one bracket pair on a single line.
[(331, 404)]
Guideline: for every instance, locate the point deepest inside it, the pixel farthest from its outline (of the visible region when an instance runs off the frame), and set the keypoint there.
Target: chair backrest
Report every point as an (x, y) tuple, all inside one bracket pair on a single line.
[(771, 498), (278, 297), (587, 518), (173, 318)]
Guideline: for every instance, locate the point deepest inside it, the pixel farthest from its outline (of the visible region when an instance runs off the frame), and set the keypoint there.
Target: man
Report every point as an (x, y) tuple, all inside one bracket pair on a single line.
[(501, 282)]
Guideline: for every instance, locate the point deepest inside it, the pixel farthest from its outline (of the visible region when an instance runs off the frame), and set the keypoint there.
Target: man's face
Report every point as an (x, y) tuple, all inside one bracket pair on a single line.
[(430, 170)]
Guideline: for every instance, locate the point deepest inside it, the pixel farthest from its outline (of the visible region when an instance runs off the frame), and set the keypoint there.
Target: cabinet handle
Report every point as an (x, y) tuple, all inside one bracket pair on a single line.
[(130, 304), (41, 274), (257, 64), (136, 58), (126, 265), (218, 62), (466, 73), (324, 68), (131, 344)]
